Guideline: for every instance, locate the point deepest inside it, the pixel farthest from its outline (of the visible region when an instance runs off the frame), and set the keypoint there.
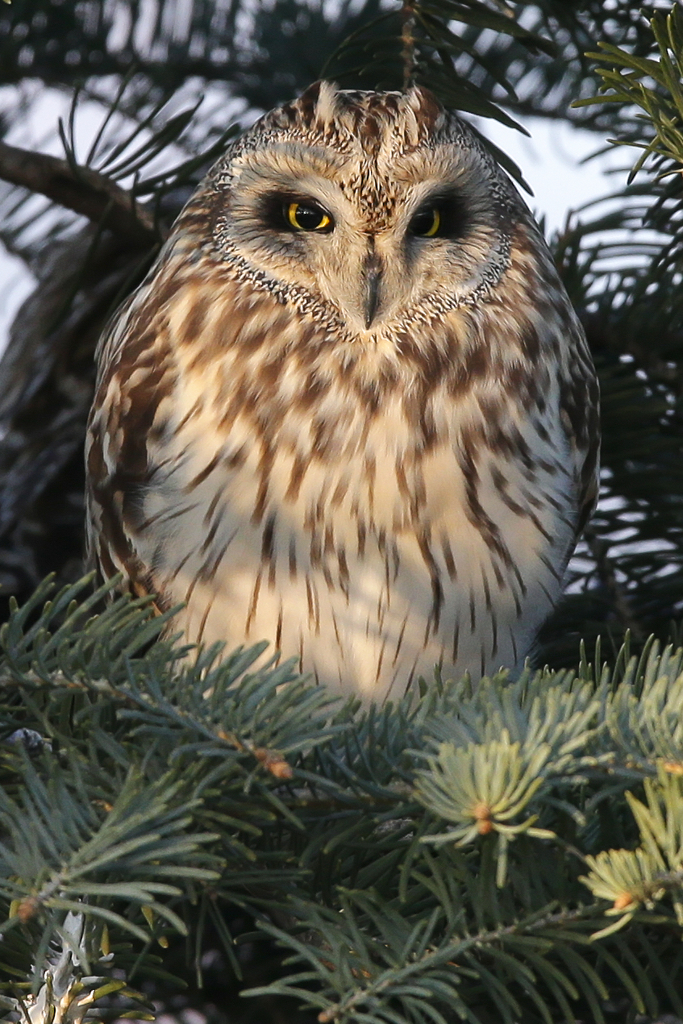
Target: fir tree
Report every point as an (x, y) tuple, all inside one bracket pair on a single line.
[(192, 833)]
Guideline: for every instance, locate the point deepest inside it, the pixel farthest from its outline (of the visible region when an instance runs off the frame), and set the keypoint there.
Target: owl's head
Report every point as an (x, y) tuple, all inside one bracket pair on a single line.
[(373, 206)]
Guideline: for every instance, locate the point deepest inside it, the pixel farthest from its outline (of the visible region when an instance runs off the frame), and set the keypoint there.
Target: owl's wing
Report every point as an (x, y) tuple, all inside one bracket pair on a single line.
[(590, 485), (580, 408), (134, 378)]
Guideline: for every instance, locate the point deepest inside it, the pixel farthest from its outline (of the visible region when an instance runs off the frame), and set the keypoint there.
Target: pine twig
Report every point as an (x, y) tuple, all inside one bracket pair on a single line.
[(408, 41), (80, 189)]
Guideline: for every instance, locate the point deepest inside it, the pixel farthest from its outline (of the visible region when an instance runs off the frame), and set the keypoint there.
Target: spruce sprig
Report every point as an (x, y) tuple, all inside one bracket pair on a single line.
[(175, 791)]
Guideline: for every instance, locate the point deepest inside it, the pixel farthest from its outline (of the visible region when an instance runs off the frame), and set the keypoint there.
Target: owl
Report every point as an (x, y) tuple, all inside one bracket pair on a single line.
[(350, 410)]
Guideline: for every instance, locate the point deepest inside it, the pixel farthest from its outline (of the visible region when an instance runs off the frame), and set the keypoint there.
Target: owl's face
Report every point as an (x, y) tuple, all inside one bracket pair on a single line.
[(367, 204)]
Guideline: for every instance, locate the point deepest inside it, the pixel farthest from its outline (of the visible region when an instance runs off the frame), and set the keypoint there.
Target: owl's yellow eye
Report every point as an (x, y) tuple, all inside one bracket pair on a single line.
[(308, 217), (426, 223)]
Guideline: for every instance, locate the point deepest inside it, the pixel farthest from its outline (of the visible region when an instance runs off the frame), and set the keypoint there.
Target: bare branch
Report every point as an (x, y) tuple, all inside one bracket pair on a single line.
[(80, 189)]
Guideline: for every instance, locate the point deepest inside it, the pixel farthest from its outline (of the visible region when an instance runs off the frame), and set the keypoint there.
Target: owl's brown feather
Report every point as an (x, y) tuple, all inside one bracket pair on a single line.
[(373, 498)]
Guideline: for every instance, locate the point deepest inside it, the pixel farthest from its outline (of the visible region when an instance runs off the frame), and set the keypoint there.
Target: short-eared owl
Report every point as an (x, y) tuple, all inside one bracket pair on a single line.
[(350, 410)]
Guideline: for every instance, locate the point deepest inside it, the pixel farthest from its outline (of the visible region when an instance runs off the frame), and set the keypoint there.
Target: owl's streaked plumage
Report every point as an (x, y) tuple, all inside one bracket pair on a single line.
[(350, 410)]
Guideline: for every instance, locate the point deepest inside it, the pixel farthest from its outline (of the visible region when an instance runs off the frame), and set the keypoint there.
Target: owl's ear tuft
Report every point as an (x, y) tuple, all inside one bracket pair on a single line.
[(308, 100), (327, 108), (429, 113), (318, 104)]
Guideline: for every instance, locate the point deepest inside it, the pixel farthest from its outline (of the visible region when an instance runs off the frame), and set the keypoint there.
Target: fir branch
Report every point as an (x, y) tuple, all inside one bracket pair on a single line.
[(620, 602), (138, 836), (653, 85), (394, 913), (82, 190), (65, 995), (416, 959)]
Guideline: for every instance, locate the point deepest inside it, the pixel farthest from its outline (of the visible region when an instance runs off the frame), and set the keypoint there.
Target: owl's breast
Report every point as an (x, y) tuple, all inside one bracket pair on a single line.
[(355, 545)]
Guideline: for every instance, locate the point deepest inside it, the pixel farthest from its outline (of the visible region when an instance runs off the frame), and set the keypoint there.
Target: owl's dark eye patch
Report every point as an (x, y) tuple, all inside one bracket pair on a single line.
[(296, 213), (441, 216)]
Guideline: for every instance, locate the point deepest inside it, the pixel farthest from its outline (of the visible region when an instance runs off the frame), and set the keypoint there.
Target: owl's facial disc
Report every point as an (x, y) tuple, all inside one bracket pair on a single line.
[(370, 238)]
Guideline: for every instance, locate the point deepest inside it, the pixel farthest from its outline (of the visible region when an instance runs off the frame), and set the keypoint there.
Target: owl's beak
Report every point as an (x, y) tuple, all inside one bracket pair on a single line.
[(372, 287)]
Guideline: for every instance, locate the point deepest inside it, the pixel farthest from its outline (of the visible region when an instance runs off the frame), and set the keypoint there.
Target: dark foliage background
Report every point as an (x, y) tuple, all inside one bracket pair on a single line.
[(183, 70)]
